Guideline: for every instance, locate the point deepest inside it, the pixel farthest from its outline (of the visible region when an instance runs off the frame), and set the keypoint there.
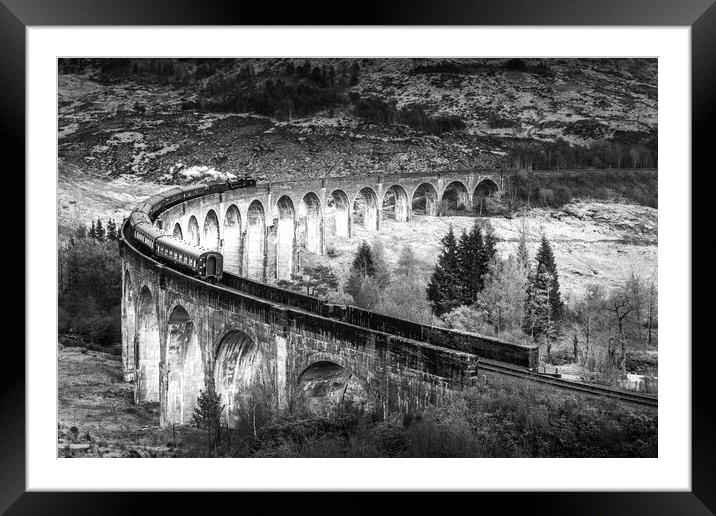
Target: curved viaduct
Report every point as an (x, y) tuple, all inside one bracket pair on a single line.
[(262, 231), (269, 347)]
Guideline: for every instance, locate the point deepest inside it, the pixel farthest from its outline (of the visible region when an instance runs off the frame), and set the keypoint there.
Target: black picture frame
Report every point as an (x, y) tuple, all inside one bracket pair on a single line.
[(700, 15)]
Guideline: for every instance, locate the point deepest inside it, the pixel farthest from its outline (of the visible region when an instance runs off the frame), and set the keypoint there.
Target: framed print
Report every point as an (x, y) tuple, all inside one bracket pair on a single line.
[(431, 257)]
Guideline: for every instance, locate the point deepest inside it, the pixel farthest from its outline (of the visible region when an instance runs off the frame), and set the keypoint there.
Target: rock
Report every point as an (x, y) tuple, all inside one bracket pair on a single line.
[(73, 446)]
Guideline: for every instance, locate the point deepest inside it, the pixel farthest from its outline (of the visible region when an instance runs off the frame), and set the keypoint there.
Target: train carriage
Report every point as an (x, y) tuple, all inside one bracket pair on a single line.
[(206, 264), (145, 233), (173, 196), (198, 261), (144, 207)]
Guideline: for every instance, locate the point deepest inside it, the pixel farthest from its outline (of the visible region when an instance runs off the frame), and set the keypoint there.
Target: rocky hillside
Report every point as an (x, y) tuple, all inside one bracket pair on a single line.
[(187, 120)]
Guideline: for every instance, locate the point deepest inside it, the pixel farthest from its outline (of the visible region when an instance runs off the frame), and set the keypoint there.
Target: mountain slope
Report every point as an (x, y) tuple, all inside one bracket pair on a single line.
[(188, 120)]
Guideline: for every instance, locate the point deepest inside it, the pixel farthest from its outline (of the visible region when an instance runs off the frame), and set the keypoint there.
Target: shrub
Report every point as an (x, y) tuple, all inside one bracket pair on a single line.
[(562, 195), (375, 109), (517, 65), (562, 356), (545, 196)]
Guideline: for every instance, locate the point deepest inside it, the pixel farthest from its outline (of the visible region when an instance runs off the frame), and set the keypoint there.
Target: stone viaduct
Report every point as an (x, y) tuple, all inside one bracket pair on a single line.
[(269, 348), (262, 231)]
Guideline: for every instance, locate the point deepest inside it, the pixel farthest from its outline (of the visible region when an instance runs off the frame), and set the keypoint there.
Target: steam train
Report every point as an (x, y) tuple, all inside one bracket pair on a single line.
[(197, 261)]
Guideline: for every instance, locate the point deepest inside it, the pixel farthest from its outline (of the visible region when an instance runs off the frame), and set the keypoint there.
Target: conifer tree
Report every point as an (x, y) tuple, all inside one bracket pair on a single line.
[(364, 261), (466, 268), (545, 259), (473, 266), (538, 319), (523, 254), (207, 414), (363, 266), (111, 230), (382, 269), (444, 289), (81, 231), (407, 265), (368, 295), (489, 245), (92, 232), (99, 229)]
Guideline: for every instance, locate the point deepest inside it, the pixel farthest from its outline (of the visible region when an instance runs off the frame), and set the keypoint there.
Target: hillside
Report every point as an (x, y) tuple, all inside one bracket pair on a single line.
[(129, 128), (190, 120)]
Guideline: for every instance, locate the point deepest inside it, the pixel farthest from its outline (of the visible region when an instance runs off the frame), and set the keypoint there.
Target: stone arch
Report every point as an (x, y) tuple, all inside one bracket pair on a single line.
[(424, 200), (395, 204), (130, 329), (211, 231), (338, 214), (193, 230), (309, 230), (325, 383), (285, 216), (485, 189), (365, 209), (177, 232), (185, 367), (231, 248), (147, 353), (241, 376), (255, 241), (455, 198)]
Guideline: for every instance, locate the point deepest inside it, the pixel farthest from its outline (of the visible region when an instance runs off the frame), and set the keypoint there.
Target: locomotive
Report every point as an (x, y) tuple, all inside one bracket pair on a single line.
[(198, 261)]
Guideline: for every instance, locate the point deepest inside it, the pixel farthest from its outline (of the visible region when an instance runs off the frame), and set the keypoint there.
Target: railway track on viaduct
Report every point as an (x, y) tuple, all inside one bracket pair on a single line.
[(568, 385)]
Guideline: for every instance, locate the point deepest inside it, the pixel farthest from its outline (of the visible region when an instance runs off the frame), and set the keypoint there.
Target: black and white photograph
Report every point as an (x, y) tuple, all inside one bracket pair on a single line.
[(357, 257), (402, 250)]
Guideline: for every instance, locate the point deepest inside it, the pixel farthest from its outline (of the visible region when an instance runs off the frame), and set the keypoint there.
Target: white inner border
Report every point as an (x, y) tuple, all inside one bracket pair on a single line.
[(671, 470)]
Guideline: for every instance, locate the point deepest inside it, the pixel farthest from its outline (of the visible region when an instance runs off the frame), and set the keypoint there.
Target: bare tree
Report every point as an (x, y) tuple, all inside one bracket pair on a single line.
[(587, 312), (620, 306), (503, 294), (636, 289), (652, 306)]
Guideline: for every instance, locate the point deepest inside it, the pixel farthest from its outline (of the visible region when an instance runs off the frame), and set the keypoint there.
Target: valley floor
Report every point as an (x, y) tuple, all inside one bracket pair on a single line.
[(593, 242), (96, 413)]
